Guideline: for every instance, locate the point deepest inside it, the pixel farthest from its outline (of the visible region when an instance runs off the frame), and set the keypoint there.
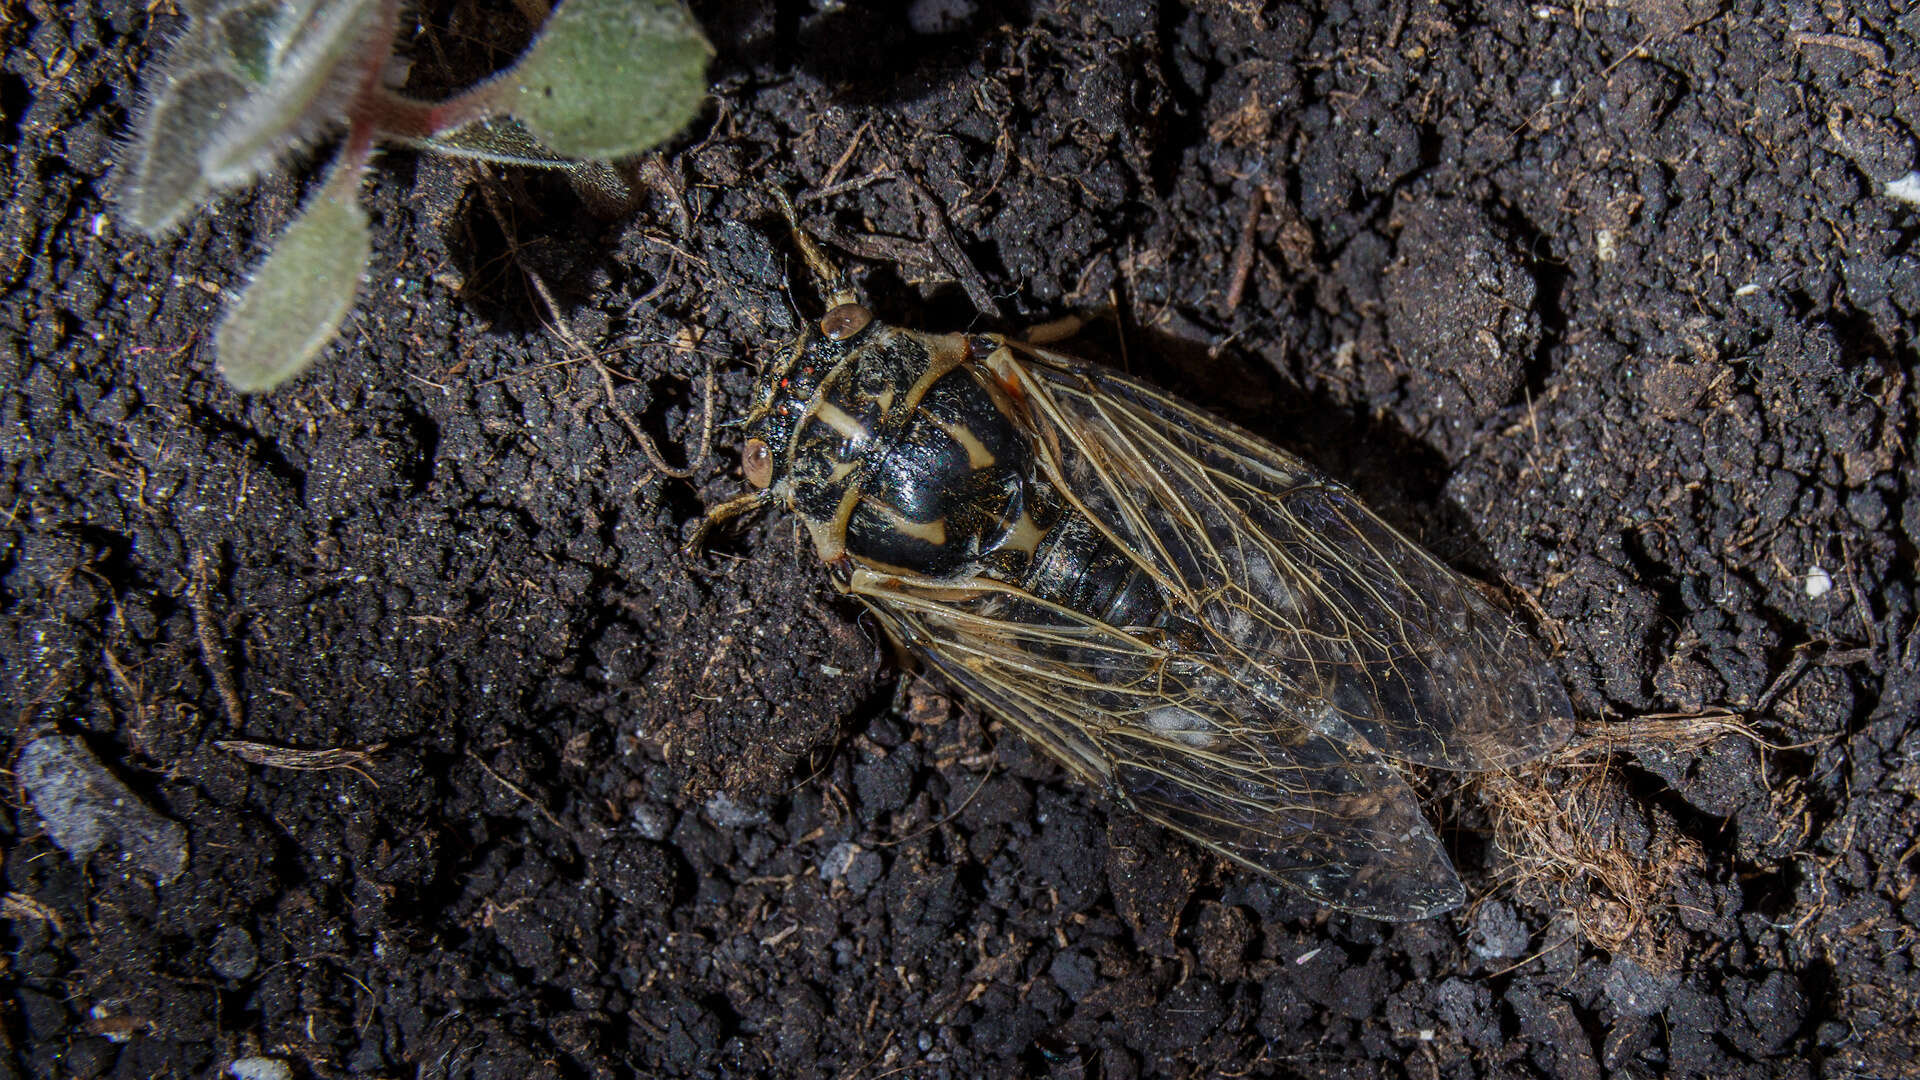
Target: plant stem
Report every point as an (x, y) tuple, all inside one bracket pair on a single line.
[(356, 153), (395, 115)]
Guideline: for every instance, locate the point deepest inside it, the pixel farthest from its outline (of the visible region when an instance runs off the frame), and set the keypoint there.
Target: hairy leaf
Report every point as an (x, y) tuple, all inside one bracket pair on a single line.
[(506, 141), (296, 301), (323, 66), (608, 78), (253, 36), (245, 82), (164, 181)]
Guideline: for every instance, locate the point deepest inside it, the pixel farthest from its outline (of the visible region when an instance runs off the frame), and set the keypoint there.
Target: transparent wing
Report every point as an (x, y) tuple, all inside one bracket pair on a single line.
[(1182, 739), (1348, 626), (1305, 643)]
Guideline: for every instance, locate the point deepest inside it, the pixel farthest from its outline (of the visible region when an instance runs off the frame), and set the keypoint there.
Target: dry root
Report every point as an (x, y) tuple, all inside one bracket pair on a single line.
[(1587, 845)]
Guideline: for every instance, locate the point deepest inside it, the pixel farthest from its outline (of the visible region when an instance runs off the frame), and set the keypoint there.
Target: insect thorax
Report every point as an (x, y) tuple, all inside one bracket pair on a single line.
[(896, 451)]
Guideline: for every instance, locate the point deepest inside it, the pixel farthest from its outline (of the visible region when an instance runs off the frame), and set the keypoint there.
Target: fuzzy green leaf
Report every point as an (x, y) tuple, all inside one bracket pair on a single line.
[(506, 141), (296, 301), (163, 179), (247, 82), (253, 37), (501, 140), (609, 78), (315, 78)]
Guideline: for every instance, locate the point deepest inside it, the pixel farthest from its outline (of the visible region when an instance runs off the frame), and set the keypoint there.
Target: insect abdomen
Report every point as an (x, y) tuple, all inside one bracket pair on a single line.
[(1077, 567)]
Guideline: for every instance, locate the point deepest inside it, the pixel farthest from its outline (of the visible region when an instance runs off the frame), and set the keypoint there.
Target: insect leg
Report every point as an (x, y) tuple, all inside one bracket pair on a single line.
[(725, 512)]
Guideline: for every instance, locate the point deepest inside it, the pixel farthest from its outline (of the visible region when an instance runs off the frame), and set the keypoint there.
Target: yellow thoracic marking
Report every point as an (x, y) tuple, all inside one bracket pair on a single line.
[(830, 537), (978, 456), (828, 542), (1024, 535), (944, 353), (931, 532), (839, 420)]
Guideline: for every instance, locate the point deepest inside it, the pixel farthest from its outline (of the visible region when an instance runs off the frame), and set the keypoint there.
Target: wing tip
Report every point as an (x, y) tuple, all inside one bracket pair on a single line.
[(1406, 899)]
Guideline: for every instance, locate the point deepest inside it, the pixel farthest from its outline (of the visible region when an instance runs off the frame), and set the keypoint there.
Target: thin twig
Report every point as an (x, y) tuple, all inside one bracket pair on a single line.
[(846, 155), (134, 691), (844, 186), (557, 323), (562, 330), (21, 906), (1870, 51), (511, 786), (1243, 251), (654, 169), (287, 757), (646, 442), (940, 235), (1860, 605), (211, 652)]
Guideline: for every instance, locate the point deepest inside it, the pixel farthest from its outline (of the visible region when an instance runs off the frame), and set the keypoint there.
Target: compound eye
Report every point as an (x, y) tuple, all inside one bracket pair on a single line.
[(845, 321), (756, 460)]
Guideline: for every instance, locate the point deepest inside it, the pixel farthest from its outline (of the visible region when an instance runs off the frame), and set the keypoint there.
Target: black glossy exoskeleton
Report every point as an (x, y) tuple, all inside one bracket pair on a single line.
[(905, 455), (1194, 621)]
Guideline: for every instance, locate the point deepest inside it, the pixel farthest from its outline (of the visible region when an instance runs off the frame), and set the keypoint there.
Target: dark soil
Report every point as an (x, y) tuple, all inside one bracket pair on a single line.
[(1607, 304)]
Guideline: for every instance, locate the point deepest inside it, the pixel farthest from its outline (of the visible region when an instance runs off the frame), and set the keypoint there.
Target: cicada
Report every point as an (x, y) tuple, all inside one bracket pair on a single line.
[(1196, 623)]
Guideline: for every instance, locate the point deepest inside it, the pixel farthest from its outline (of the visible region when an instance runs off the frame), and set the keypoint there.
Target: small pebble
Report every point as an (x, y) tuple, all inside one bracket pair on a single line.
[(260, 1068), (651, 821), (853, 864), (233, 955), (86, 807), (728, 814), (1497, 932)]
